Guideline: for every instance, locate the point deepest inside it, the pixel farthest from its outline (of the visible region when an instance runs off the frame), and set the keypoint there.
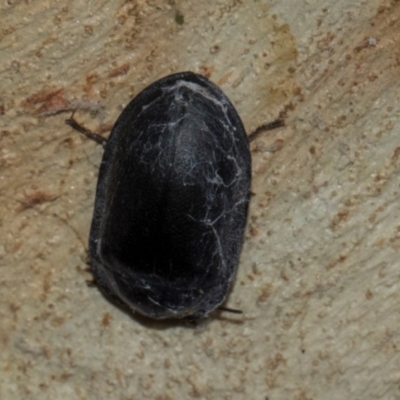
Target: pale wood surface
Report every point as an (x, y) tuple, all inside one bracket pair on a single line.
[(319, 275)]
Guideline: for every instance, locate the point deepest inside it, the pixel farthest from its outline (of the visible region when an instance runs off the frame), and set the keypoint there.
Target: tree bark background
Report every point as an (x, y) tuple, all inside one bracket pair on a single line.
[(318, 280)]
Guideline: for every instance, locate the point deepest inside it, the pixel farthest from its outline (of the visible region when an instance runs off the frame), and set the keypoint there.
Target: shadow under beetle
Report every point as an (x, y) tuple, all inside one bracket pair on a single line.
[(172, 198)]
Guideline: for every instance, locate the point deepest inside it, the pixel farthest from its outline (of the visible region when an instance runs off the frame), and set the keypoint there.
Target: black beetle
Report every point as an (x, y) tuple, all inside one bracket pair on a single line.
[(172, 199)]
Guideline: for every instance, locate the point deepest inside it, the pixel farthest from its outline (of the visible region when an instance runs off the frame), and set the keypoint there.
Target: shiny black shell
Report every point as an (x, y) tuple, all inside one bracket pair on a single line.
[(172, 199)]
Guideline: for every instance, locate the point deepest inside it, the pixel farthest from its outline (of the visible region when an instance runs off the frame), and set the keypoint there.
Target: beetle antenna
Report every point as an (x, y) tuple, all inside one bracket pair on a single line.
[(74, 124), (278, 123)]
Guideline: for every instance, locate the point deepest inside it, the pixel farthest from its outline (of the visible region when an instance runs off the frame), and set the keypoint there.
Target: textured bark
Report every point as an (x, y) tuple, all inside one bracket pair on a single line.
[(318, 279)]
